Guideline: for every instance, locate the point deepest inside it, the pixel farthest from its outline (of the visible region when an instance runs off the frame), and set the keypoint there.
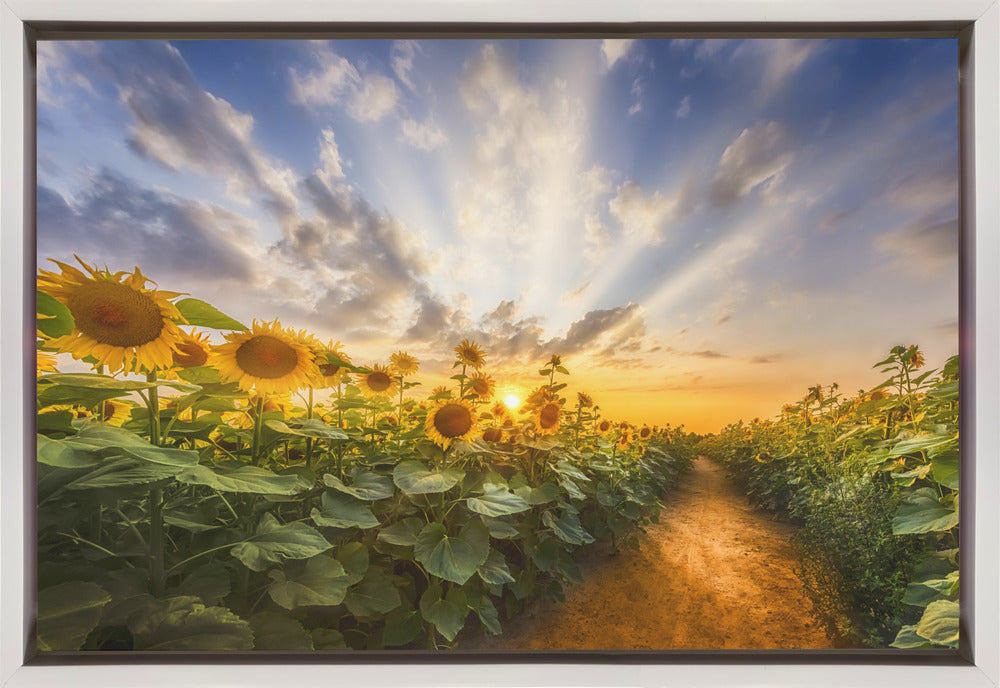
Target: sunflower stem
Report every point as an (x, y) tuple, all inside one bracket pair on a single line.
[(399, 418), (461, 384), (309, 440), (156, 576), (258, 426)]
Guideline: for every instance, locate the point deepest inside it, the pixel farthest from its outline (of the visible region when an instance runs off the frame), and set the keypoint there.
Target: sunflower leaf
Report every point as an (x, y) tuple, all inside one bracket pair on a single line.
[(57, 320), (344, 511), (273, 543), (246, 479), (366, 485), (201, 314), (312, 428), (413, 477), (323, 582), (67, 613), (454, 558)]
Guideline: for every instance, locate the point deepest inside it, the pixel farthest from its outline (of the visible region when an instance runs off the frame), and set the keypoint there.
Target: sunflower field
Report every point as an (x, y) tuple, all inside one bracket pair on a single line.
[(267, 491), (873, 481)]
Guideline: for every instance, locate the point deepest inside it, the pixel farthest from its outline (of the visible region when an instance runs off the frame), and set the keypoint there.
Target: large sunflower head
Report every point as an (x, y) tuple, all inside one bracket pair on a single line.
[(380, 382), (645, 433), (192, 350), (450, 420), (605, 426), (470, 354), (482, 386), (117, 320), (331, 374), (584, 400), (266, 358), (547, 419), (404, 363)]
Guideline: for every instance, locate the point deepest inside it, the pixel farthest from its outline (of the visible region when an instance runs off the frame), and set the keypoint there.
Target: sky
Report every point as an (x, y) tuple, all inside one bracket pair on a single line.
[(702, 229)]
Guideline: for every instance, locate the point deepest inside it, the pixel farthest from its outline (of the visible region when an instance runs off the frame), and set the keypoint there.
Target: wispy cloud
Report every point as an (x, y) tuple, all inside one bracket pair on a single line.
[(613, 50)]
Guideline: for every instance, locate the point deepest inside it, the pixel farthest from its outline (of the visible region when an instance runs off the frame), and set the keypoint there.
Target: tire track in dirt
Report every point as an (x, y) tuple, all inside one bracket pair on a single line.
[(713, 574)]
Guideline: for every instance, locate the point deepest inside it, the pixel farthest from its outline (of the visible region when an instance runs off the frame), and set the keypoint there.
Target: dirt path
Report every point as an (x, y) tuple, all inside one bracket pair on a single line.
[(714, 574)]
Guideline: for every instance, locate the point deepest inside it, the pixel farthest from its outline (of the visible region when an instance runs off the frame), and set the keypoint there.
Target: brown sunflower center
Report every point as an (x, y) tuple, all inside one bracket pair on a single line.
[(604, 426), (115, 314), (481, 387), (644, 433), (267, 357), (549, 416), (453, 420), (492, 435), (378, 381), (190, 355)]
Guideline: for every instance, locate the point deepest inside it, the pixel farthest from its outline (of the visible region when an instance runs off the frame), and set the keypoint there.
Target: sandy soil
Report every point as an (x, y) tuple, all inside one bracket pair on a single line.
[(714, 574)]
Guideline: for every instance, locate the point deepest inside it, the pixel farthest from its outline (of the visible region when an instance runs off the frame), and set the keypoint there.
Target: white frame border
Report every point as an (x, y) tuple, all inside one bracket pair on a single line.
[(17, 343)]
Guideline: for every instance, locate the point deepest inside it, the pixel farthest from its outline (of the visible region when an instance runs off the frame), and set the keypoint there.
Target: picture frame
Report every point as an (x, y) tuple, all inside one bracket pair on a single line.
[(976, 22)]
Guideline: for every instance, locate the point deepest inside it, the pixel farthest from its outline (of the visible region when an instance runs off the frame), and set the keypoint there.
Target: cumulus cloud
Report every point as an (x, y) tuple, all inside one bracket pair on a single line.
[(335, 81), (758, 156), (684, 109), (402, 56), (423, 135), (613, 50), (167, 235), (644, 217)]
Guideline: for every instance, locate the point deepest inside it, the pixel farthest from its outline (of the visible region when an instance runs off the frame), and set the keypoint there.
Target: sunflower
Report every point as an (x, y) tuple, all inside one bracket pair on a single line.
[(266, 358), (547, 419), (645, 433), (493, 434), (482, 386), (470, 354), (584, 400), (556, 360), (192, 350), (917, 360), (625, 440), (538, 397), (878, 395), (604, 427), (789, 409), (331, 374), (379, 382), (440, 392), (119, 322), (404, 363), (45, 361), (116, 412), (499, 410), (449, 421)]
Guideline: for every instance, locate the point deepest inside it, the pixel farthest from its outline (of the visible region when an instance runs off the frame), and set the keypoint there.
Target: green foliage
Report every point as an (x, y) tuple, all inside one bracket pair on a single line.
[(873, 481)]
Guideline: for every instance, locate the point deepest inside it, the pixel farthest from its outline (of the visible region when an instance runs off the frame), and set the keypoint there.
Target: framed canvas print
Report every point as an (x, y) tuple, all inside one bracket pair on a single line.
[(356, 343)]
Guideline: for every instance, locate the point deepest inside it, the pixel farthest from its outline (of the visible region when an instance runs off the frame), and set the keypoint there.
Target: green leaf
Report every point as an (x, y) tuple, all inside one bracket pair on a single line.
[(210, 582), (413, 478), (497, 501), (447, 614), (482, 605), (922, 513), (184, 623), (494, 570), (404, 533), (907, 639), (921, 442), (343, 511), (365, 485), (944, 468), (353, 556), (452, 558), (67, 613), (312, 428), (402, 627), (543, 494), (500, 529), (939, 624), (375, 594), (328, 639), (101, 440), (567, 527), (245, 479), (58, 321), (122, 473), (55, 421), (273, 543), (568, 470), (545, 554), (274, 631), (62, 454), (323, 583), (201, 314), (200, 518)]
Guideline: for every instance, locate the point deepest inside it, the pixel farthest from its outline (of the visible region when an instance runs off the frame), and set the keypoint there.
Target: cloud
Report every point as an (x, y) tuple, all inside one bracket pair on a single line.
[(779, 60), (613, 50), (402, 56), (924, 245), (684, 109), (758, 156), (423, 135), (335, 81), (637, 90), (58, 69), (329, 155), (171, 238), (644, 217)]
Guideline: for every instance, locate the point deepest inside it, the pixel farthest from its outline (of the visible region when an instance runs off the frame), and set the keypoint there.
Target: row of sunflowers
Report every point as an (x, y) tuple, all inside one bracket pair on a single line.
[(873, 479), (266, 492)]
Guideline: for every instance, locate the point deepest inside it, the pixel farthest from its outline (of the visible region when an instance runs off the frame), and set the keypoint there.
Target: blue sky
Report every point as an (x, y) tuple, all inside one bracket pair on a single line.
[(702, 228)]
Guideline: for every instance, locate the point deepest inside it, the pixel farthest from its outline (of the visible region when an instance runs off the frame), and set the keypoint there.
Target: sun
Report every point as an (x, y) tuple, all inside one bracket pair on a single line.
[(512, 401)]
